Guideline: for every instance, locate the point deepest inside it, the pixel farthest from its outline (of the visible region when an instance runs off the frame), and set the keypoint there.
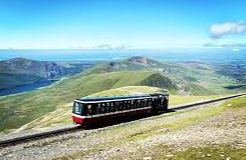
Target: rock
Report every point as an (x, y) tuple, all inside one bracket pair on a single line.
[(169, 155), (147, 158)]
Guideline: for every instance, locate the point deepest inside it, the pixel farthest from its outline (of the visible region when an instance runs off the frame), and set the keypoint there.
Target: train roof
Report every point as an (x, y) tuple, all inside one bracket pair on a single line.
[(93, 99)]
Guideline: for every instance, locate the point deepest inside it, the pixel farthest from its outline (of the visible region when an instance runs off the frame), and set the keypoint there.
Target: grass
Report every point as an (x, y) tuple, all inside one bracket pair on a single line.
[(128, 90), (217, 152), (17, 110), (177, 99), (149, 130), (212, 152)]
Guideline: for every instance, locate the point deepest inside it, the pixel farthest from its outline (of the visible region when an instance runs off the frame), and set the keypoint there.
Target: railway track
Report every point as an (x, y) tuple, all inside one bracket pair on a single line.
[(184, 106), (37, 136)]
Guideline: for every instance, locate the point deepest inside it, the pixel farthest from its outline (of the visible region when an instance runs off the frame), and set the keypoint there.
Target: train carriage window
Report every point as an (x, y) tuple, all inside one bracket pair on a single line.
[(132, 104), (120, 106), (112, 106), (103, 107), (135, 104), (145, 102), (78, 108), (97, 108), (138, 103), (150, 102), (129, 104), (125, 105), (142, 103), (116, 106), (107, 105), (93, 109), (89, 109)]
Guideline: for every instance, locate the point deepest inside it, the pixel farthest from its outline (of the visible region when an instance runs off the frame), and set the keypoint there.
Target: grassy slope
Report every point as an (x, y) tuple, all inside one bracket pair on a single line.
[(126, 141), (208, 77), (17, 110), (63, 115), (216, 152), (192, 78)]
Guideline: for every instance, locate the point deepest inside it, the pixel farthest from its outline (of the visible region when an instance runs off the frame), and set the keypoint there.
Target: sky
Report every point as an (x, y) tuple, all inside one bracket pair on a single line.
[(122, 24)]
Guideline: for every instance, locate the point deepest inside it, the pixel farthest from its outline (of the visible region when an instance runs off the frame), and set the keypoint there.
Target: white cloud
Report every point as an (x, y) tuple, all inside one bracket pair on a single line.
[(111, 46), (226, 45), (221, 29)]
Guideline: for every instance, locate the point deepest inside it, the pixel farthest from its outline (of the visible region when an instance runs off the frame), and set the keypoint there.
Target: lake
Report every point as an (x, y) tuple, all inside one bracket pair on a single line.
[(26, 87)]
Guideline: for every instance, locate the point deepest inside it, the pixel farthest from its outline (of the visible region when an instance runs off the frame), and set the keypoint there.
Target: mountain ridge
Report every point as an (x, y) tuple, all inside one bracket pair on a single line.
[(19, 71)]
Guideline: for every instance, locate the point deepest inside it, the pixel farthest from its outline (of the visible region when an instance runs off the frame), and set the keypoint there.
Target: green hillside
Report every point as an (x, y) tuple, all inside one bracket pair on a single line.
[(12, 80), (17, 110), (62, 115), (128, 90), (190, 78)]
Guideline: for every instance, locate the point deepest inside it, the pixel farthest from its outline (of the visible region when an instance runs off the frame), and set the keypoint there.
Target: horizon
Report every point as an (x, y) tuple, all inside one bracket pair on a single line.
[(208, 54), (122, 25)]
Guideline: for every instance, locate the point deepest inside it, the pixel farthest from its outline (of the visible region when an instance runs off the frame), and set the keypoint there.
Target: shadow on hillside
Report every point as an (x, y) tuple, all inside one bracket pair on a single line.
[(233, 87)]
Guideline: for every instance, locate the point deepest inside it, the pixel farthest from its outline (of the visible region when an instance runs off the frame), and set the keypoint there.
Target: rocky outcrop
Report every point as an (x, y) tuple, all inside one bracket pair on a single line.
[(44, 69)]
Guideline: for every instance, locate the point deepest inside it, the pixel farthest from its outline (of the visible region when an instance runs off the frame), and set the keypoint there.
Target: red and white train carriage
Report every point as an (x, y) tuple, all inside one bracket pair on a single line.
[(99, 110)]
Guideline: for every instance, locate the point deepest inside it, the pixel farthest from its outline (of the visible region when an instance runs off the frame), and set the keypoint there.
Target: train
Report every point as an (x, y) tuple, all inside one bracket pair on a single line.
[(96, 110)]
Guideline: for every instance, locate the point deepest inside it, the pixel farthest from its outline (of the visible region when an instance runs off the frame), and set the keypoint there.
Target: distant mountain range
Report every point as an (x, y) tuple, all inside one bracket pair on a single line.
[(19, 71)]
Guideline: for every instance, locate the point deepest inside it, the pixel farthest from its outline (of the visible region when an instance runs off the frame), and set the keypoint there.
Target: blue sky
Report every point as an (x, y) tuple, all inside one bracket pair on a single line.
[(152, 24)]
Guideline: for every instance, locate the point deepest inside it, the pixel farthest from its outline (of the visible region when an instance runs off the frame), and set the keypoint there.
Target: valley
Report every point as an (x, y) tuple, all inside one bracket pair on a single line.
[(21, 74), (182, 79)]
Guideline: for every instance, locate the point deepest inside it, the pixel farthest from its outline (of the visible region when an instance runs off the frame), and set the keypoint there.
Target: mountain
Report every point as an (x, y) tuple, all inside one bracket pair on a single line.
[(133, 63), (186, 82), (235, 70), (19, 71), (44, 69)]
